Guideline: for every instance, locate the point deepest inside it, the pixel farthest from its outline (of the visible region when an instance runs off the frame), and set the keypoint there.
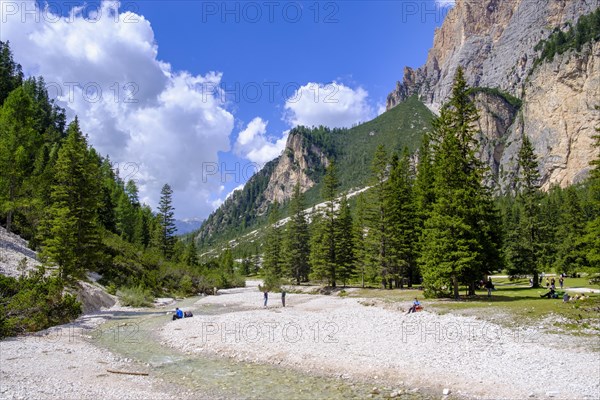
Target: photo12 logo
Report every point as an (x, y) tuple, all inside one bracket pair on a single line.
[(273, 92), (253, 12), (123, 333), (68, 11), (269, 332), (92, 92)]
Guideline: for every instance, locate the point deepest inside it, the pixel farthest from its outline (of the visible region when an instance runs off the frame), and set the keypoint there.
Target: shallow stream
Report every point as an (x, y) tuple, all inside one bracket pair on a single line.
[(135, 335)]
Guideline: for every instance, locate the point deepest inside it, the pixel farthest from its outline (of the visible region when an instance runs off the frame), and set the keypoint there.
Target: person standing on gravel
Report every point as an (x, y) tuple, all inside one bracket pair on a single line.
[(266, 297), (283, 297), (489, 286)]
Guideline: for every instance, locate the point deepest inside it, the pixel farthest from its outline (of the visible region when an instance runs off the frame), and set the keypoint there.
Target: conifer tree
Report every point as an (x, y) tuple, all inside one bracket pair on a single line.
[(70, 232), (591, 239), (297, 239), (525, 249), (458, 241), (272, 257), (190, 257), (318, 247), (344, 243), (378, 238), (360, 228), (328, 228), (403, 219), (11, 74), (166, 217), (18, 144)]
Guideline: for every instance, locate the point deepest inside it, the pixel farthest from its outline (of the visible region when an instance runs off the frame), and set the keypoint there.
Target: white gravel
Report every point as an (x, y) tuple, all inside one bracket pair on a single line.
[(63, 363), (343, 337), (13, 249)]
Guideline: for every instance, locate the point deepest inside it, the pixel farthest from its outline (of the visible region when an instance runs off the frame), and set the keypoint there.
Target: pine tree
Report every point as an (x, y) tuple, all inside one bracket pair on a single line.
[(18, 145), (458, 241), (526, 252), (378, 238), (11, 75), (591, 239), (319, 250), (571, 251), (226, 261), (297, 239), (327, 268), (70, 232), (360, 228), (403, 219), (272, 257), (190, 257), (344, 243), (166, 216)]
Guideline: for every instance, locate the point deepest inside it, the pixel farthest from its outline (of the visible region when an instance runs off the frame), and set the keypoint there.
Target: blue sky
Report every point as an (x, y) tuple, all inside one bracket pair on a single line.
[(201, 93)]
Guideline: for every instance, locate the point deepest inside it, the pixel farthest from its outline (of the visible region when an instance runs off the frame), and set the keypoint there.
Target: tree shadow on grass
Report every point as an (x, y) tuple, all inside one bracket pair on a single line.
[(516, 294)]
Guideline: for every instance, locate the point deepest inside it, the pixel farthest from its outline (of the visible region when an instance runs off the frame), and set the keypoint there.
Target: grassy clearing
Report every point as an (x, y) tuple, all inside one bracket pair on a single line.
[(513, 303)]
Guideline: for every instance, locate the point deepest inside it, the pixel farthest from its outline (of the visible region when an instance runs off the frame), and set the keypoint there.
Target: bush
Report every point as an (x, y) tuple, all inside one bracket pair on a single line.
[(136, 296), (34, 302)]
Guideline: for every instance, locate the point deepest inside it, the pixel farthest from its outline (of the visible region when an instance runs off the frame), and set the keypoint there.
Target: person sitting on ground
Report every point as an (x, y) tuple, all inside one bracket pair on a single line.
[(566, 298), (414, 307), (550, 293), (178, 314)]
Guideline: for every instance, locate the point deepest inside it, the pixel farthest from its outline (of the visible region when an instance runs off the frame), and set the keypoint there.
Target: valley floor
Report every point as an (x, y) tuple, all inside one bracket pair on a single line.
[(64, 363), (357, 340)]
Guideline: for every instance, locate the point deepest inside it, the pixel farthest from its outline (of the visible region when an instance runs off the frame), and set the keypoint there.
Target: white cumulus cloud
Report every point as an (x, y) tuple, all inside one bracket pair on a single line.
[(333, 105), (445, 3), (132, 105), (253, 143)]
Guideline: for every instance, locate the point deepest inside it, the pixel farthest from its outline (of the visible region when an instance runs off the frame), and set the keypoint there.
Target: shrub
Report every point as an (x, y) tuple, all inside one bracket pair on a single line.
[(34, 302), (135, 296)]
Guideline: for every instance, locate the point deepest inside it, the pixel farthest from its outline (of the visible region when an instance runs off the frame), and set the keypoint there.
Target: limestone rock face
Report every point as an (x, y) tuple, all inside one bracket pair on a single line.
[(293, 166), (494, 41), (559, 115), (496, 117)]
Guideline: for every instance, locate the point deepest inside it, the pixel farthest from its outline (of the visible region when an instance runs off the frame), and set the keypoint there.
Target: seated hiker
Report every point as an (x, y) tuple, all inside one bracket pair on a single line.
[(178, 314), (550, 294), (416, 305)]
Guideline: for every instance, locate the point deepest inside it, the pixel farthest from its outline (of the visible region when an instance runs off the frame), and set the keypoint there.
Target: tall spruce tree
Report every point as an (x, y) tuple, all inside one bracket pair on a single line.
[(403, 219), (18, 144), (272, 258), (297, 239), (360, 228), (525, 254), (378, 238), (458, 244), (166, 217), (344, 243), (325, 227), (70, 232), (591, 239), (11, 74)]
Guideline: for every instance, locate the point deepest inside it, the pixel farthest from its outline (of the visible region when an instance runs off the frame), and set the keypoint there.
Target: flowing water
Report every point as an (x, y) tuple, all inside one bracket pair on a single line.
[(134, 335)]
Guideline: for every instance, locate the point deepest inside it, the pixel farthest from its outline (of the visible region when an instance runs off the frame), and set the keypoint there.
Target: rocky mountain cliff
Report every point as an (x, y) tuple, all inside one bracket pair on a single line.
[(495, 42), (299, 157), (307, 154)]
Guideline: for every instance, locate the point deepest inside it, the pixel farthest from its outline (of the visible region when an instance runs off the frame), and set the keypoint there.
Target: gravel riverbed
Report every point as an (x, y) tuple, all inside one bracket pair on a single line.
[(346, 337)]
